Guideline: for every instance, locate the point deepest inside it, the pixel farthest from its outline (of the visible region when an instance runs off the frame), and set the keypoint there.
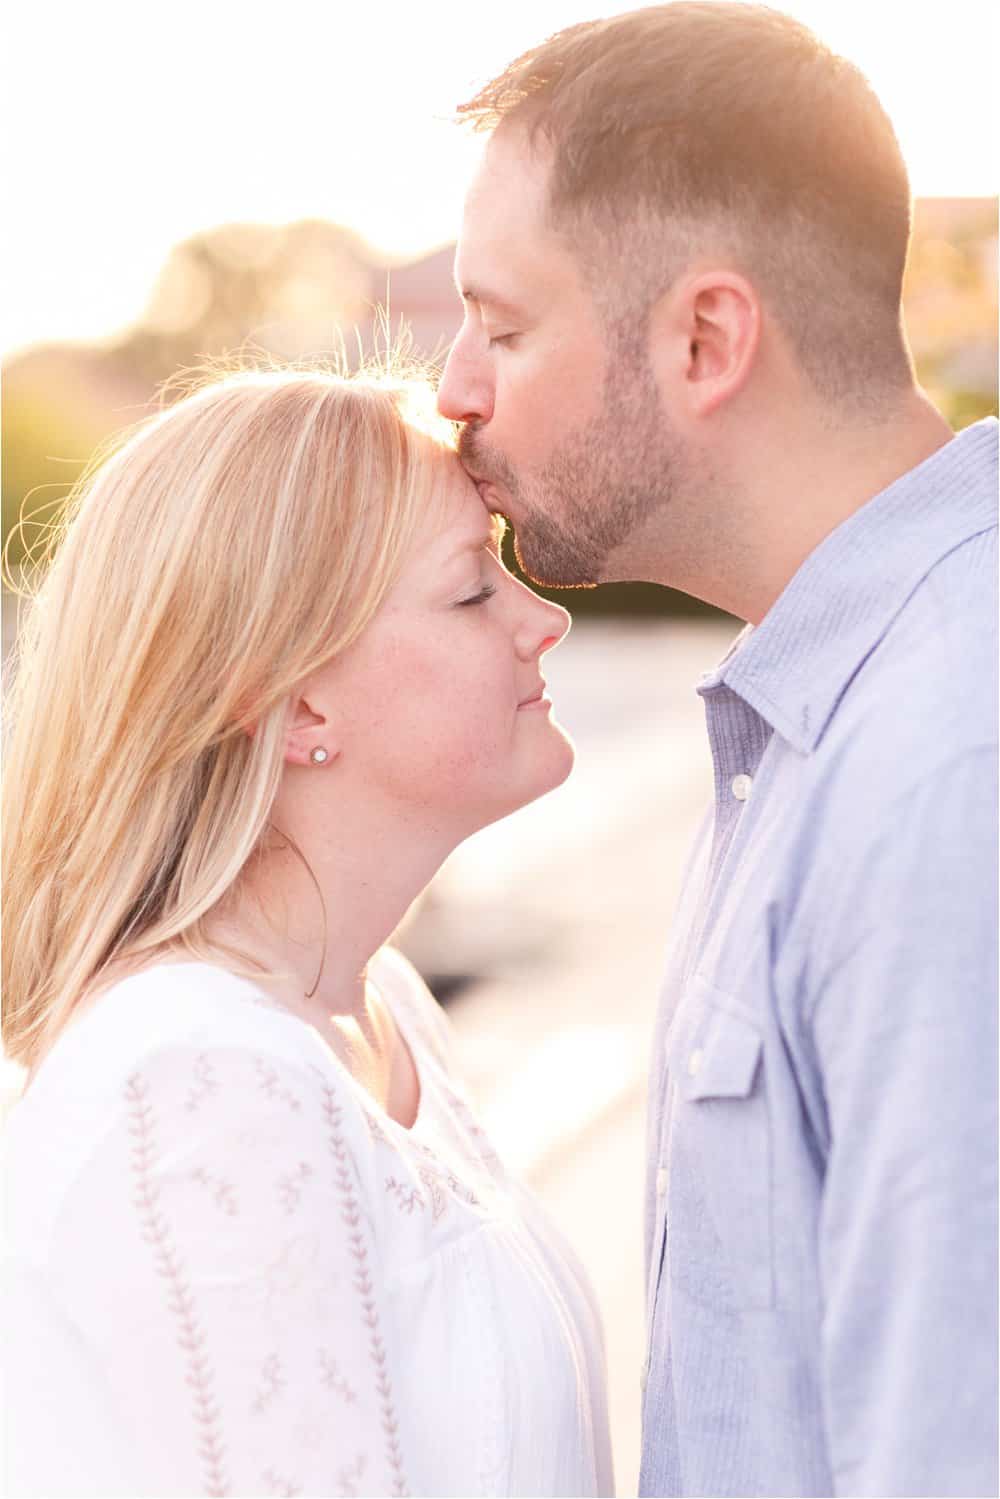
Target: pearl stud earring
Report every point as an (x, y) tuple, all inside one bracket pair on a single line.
[(318, 756)]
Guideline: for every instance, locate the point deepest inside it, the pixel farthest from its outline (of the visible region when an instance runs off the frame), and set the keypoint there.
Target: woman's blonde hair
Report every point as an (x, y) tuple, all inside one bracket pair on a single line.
[(232, 546)]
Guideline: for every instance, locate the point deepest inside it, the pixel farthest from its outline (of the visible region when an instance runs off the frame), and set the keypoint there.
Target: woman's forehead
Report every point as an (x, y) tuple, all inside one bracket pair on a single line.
[(458, 513)]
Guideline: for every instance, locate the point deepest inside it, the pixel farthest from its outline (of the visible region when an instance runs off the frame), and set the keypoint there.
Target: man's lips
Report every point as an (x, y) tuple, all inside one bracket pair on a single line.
[(536, 700)]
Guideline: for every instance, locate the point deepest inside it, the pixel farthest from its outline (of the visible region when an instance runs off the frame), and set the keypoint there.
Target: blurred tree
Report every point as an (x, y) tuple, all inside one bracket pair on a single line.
[(286, 290), (59, 405), (950, 304)]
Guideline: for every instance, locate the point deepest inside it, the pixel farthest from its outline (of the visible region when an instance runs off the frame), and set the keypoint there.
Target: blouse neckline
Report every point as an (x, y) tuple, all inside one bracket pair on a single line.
[(367, 1100)]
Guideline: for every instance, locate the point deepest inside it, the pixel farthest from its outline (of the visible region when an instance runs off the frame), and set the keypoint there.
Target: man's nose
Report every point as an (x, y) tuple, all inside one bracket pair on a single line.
[(465, 393)]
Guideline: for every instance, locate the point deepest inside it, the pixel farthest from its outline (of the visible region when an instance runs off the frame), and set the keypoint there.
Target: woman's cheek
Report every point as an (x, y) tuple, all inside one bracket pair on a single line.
[(453, 707)]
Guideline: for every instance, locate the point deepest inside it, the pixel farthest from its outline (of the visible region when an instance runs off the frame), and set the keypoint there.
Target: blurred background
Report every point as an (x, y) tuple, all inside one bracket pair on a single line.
[(219, 179)]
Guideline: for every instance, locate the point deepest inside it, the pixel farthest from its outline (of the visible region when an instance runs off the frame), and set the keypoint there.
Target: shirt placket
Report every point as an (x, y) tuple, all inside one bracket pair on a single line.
[(738, 737)]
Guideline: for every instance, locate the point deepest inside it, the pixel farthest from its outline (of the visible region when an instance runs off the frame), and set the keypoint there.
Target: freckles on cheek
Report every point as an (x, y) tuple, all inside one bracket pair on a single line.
[(410, 672), (442, 706)]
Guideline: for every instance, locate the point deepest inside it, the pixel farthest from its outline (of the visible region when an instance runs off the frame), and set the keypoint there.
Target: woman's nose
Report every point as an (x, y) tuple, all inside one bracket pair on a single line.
[(465, 393), (545, 627)]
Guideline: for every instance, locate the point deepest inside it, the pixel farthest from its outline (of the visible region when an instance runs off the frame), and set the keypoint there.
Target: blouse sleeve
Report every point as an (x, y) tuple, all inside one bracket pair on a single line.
[(218, 1254)]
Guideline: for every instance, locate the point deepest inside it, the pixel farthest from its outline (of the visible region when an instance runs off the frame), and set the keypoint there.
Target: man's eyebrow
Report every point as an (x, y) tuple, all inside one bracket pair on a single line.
[(482, 296)]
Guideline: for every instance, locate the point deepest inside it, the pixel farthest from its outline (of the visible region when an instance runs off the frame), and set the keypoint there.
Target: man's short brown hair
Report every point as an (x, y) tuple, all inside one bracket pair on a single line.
[(728, 126)]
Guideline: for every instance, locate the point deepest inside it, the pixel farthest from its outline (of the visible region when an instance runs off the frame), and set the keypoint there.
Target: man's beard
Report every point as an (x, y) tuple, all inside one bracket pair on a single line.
[(599, 486)]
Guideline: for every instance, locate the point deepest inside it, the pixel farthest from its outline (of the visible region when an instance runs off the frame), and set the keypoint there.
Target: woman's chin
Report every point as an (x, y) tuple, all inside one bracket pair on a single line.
[(550, 770), (568, 760), (545, 778)]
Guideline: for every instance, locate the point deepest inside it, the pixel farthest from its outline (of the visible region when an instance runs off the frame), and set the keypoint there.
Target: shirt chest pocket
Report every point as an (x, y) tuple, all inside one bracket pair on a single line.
[(718, 1154)]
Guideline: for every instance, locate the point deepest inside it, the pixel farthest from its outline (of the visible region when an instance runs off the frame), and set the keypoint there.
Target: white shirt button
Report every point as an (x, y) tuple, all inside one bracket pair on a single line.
[(694, 1062), (661, 1181), (741, 787)]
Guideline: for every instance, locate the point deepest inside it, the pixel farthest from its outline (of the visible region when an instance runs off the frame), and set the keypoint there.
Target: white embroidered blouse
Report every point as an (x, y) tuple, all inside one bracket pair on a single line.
[(229, 1272)]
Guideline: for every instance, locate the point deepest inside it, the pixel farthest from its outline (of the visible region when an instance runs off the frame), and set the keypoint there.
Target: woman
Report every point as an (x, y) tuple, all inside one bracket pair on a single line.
[(259, 1245)]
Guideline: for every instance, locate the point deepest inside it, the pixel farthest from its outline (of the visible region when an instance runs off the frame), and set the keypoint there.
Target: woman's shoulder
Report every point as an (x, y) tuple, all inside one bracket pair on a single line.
[(188, 1053), (166, 1020), (184, 1003), (395, 976)]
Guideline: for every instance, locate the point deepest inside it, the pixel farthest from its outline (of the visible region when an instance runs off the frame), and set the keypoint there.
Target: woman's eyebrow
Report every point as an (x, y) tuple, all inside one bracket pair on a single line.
[(473, 544), (491, 538)]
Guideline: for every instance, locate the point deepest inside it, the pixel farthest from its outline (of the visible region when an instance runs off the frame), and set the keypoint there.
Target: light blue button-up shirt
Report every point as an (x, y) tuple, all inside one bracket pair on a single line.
[(822, 1196)]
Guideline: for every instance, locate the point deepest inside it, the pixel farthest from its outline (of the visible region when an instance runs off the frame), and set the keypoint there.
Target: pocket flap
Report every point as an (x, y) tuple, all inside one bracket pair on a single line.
[(719, 1060)]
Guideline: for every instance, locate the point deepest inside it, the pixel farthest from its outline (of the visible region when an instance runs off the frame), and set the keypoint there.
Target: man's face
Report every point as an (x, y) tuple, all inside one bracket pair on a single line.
[(564, 431)]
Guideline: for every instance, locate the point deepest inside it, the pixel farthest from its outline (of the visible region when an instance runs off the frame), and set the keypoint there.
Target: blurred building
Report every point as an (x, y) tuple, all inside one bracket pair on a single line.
[(423, 297)]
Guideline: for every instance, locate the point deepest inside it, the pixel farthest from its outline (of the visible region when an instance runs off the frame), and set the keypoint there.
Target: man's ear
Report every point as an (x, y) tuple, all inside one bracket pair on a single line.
[(310, 738), (706, 331)]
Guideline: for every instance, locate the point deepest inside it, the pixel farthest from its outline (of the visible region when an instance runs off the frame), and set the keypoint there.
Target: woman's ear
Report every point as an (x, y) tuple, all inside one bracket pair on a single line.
[(707, 331), (310, 738)]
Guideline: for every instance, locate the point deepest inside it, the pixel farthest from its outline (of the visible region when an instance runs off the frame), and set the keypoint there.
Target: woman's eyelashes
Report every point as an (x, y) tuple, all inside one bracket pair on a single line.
[(486, 592)]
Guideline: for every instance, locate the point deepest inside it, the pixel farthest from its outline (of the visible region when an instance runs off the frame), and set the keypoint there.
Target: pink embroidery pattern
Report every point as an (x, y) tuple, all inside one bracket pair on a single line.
[(467, 1119), (290, 1186), (180, 1302), (436, 1179), (333, 1379), (223, 1192), (267, 1079), (438, 1200), (408, 1198), (273, 1384), (461, 1190), (277, 1484), (349, 1478), (205, 1083), (351, 1215)]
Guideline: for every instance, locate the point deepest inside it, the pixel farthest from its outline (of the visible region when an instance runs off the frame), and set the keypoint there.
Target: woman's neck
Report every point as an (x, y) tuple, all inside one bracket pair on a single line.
[(314, 913)]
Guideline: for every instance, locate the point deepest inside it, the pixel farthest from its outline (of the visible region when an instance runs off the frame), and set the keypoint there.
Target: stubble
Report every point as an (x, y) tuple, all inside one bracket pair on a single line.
[(577, 514)]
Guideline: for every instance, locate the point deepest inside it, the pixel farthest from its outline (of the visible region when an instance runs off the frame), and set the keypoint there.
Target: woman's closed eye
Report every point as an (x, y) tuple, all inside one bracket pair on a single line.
[(486, 592)]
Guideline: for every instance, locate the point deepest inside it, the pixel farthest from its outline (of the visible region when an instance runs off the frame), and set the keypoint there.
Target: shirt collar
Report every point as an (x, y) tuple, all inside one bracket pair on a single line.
[(794, 667)]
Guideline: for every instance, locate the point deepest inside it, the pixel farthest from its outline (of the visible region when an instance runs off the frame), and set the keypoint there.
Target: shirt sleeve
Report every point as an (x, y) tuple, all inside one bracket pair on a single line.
[(905, 1029), (217, 1256)]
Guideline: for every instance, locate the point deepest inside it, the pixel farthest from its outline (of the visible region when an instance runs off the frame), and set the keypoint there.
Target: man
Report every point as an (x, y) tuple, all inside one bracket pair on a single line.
[(682, 360)]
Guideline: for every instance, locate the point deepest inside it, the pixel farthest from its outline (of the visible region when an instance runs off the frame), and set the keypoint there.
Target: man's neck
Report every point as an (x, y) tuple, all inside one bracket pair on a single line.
[(792, 486)]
